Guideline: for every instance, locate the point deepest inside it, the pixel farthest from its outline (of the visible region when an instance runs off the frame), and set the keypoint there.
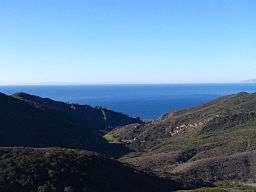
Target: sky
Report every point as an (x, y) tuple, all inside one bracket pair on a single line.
[(127, 41)]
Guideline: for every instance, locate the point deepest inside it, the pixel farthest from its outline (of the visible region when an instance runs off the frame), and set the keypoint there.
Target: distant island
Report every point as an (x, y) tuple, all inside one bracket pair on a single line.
[(250, 81)]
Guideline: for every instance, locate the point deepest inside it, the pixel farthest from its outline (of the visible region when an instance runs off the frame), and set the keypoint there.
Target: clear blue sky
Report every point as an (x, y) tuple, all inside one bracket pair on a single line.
[(127, 41)]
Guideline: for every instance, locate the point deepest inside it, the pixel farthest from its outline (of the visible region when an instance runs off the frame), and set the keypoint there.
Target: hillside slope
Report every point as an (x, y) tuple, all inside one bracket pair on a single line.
[(185, 144), (66, 170), (229, 110), (34, 125), (100, 119)]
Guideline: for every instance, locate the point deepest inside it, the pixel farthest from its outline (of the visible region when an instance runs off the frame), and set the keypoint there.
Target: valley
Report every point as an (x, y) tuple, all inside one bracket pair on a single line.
[(208, 146)]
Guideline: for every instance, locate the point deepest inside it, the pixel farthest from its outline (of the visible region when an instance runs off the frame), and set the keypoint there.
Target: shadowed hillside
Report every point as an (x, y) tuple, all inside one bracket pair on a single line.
[(100, 119), (66, 170), (35, 122)]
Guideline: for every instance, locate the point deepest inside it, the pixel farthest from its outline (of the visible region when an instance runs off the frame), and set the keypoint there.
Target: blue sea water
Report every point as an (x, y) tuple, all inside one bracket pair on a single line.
[(145, 101)]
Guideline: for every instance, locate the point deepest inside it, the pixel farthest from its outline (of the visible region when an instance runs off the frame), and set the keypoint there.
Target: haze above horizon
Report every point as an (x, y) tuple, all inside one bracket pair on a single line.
[(127, 42)]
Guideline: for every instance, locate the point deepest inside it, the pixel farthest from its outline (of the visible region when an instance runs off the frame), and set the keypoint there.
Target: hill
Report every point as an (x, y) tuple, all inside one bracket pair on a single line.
[(102, 119), (66, 170), (32, 121), (198, 147), (190, 120), (213, 142)]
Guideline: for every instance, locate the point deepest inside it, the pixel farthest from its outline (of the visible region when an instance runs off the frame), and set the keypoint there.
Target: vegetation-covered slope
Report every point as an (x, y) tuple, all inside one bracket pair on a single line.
[(98, 118), (209, 143), (201, 146), (66, 170), (53, 124), (190, 120), (224, 188)]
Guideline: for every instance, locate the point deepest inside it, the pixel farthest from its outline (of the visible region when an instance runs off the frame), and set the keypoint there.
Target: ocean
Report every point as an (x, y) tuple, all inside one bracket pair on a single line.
[(144, 101)]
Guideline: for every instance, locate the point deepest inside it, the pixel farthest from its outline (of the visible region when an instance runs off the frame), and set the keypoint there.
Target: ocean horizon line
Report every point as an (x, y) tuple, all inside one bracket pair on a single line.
[(121, 84)]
